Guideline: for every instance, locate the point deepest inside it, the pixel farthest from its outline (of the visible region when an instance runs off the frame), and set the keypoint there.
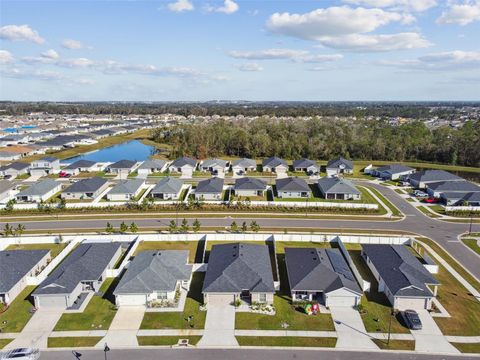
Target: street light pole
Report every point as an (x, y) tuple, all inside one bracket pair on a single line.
[(389, 328), (105, 350)]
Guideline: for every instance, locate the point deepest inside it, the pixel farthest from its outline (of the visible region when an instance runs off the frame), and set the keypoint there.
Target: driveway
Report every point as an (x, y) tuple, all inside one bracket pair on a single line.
[(124, 327), (220, 323), (430, 338), (350, 329), (37, 330)]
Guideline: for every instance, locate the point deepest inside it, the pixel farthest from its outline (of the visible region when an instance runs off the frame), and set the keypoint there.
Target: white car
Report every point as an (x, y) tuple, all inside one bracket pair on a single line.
[(21, 354)]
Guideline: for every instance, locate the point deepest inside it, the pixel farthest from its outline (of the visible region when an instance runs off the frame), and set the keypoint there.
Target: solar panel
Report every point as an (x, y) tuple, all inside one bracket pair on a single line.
[(340, 265)]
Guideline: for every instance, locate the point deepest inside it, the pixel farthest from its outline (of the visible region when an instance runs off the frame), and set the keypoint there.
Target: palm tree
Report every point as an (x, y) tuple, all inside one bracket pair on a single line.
[(254, 226), (20, 229), (7, 230), (196, 225), (234, 226), (109, 228), (123, 227), (133, 228), (172, 227), (184, 227)]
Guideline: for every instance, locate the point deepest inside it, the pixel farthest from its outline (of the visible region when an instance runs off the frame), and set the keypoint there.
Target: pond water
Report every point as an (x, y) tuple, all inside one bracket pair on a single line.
[(131, 150)]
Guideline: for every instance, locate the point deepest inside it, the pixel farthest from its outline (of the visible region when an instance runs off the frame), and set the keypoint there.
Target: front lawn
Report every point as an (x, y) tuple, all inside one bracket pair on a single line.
[(395, 344), (98, 314), (73, 342), (166, 340), (191, 246), (5, 342), (287, 341), (469, 348), (179, 320), (55, 249), (18, 313), (472, 244)]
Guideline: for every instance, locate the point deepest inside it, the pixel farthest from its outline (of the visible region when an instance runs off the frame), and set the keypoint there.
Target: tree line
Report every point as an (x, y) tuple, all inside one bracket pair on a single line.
[(320, 138)]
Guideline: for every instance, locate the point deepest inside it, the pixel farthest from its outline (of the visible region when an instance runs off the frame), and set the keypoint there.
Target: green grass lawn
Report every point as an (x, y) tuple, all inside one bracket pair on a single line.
[(17, 315), (23, 176), (472, 348), (424, 210), (55, 249), (472, 244), (191, 246), (98, 314), (5, 342), (178, 320), (375, 305), (281, 245), (395, 344), (392, 207), (288, 341), (73, 342), (165, 340)]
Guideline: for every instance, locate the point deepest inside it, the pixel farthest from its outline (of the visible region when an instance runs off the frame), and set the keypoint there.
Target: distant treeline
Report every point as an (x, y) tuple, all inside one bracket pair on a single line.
[(342, 109), (325, 139)]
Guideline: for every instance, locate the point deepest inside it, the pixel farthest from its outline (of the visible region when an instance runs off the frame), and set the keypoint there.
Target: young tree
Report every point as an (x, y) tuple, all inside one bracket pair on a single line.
[(123, 227), (19, 230), (184, 227), (196, 226), (244, 227), (133, 228), (254, 226), (109, 228), (7, 230), (9, 205), (234, 226), (172, 227), (62, 204)]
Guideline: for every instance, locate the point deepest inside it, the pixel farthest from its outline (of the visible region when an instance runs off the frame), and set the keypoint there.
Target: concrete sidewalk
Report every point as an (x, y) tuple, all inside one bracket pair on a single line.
[(430, 338), (351, 332), (124, 328), (220, 323)]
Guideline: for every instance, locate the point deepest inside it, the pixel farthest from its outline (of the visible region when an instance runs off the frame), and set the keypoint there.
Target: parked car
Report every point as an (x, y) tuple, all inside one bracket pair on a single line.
[(403, 183), (430, 200), (63, 174), (420, 193), (412, 320), (21, 354)]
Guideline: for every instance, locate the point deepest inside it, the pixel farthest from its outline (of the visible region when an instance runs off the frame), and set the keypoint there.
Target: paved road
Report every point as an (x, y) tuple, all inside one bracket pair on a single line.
[(242, 354), (415, 221)]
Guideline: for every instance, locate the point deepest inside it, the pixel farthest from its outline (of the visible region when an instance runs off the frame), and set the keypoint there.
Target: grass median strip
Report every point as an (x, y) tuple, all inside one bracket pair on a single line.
[(55, 249), (472, 244), (393, 209), (73, 342), (287, 341), (395, 344), (166, 340), (5, 342), (468, 348)]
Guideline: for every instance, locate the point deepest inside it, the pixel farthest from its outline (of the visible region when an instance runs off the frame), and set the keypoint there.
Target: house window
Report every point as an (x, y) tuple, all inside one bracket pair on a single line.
[(162, 296), (262, 298)]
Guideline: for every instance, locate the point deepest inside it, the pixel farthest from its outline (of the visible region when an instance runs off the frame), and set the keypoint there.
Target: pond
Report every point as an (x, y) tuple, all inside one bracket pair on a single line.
[(131, 150)]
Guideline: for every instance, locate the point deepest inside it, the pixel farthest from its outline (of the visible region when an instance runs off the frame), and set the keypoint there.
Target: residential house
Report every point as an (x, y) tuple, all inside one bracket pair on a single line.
[(215, 166), (15, 267), (45, 166), (122, 168), (6, 190), (421, 179), (339, 166), (306, 165), (468, 199), (126, 190), (274, 164), (209, 189), (9, 156), (248, 186), (393, 171), (184, 165), (239, 271), (401, 276), (436, 189), (335, 188), (80, 166), (40, 191), (151, 166), (323, 275), (85, 189), (169, 188), (244, 165), (14, 169), (292, 187), (81, 273), (154, 276)]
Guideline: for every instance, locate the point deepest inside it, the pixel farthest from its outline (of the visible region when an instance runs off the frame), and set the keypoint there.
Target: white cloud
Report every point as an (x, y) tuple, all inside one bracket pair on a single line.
[(461, 14), (319, 58), (50, 54), (180, 6), (405, 5), (19, 73), (20, 33), (76, 63), (72, 44), (249, 67), (449, 60), (268, 54), (6, 57), (228, 7)]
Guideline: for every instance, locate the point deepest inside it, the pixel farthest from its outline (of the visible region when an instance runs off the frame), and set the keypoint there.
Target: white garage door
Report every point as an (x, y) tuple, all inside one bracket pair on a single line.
[(51, 302), (346, 301), (410, 303), (126, 300), (222, 299)]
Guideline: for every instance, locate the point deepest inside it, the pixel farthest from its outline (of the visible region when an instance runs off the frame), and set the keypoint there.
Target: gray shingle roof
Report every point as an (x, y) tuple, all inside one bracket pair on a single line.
[(155, 271), (434, 175), (304, 163), (153, 164), (248, 183), (454, 186), (209, 186), (317, 269), (394, 168), (127, 186), (123, 164), (39, 188), (292, 184), (15, 264), (402, 272), (214, 162), (274, 162), (86, 262), (80, 164), (168, 185), (47, 159), (16, 166), (182, 161), (337, 186), (238, 266), (6, 185), (336, 163), (87, 185), (244, 163)]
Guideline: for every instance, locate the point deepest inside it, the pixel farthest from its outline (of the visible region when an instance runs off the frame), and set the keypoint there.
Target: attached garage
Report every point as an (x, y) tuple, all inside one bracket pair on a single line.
[(131, 300), (219, 299), (50, 301), (342, 297), (405, 303)]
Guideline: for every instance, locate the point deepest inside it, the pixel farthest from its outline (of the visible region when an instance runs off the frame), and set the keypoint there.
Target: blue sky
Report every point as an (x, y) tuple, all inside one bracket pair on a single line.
[(240, 50)]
